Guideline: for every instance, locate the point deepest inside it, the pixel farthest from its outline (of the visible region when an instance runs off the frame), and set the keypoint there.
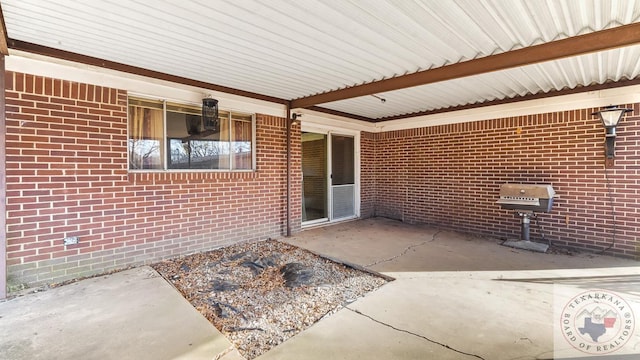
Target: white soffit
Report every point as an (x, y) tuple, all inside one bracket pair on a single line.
[(296, 48)]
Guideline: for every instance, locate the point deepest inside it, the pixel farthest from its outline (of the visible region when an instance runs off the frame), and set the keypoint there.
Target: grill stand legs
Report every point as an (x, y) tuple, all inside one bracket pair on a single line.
[(524, 226), (524, 242)]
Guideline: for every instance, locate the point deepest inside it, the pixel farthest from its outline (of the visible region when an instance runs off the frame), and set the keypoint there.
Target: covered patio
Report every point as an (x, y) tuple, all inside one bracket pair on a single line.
[(134, 132), (379, 133)]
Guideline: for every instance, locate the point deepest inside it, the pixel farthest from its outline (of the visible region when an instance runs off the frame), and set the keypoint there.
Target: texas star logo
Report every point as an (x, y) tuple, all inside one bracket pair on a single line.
[(597, 322)]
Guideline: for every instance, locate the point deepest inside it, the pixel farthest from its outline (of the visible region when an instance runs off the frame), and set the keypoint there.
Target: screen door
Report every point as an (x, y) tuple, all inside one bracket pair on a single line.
[(342, 177)]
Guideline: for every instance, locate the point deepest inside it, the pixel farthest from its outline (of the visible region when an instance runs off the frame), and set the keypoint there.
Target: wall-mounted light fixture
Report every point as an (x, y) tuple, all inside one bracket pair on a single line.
[(610, 116), (295, 118), (210, 119)]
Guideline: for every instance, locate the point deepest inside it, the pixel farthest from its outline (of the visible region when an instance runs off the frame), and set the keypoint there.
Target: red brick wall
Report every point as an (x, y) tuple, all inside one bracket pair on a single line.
[(450, 176), (67, 176), (367, 174)]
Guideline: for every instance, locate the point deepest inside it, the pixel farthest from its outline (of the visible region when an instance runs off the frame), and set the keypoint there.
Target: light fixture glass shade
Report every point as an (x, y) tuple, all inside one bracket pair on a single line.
[(611, 115)]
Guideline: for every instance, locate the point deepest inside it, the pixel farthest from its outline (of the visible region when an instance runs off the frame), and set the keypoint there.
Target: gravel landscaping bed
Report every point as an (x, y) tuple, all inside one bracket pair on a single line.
[(260, 294)]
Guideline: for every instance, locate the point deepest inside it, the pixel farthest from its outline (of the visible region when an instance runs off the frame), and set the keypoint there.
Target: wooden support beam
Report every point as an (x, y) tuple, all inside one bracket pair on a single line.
[(574, 46), (4, 49)]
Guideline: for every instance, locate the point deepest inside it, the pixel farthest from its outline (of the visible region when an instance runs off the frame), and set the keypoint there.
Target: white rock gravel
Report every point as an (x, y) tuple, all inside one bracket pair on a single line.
[(243, 292)]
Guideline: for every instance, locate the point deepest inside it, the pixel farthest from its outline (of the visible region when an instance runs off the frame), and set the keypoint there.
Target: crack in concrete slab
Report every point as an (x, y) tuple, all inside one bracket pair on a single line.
[(405, 251), (413, 334), (226, 352)]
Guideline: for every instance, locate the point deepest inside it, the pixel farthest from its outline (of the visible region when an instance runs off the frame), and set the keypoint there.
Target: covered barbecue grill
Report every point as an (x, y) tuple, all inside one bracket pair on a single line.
[(526, 200)]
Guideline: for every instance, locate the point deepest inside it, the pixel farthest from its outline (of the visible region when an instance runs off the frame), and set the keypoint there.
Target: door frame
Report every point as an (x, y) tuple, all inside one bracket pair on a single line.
[(329, 131)]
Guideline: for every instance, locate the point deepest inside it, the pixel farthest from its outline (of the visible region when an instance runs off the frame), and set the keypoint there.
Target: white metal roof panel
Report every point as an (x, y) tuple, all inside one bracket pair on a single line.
[(621, 64), (295, 48)]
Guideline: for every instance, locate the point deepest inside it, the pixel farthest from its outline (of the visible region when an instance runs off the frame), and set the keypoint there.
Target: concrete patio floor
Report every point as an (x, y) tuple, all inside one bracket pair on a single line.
[(133, 314), (455, 297), (385, 245)]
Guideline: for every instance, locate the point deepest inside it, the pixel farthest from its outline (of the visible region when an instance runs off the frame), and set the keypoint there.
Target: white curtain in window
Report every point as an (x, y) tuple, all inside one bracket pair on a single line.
[(241, 144), (145, 138)]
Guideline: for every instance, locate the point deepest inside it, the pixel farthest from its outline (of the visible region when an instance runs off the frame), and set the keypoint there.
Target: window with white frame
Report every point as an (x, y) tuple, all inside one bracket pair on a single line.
[(169, 136)]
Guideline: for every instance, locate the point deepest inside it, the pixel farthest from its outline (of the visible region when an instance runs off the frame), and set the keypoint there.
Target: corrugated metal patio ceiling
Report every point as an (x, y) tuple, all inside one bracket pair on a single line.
[(296, 49)]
